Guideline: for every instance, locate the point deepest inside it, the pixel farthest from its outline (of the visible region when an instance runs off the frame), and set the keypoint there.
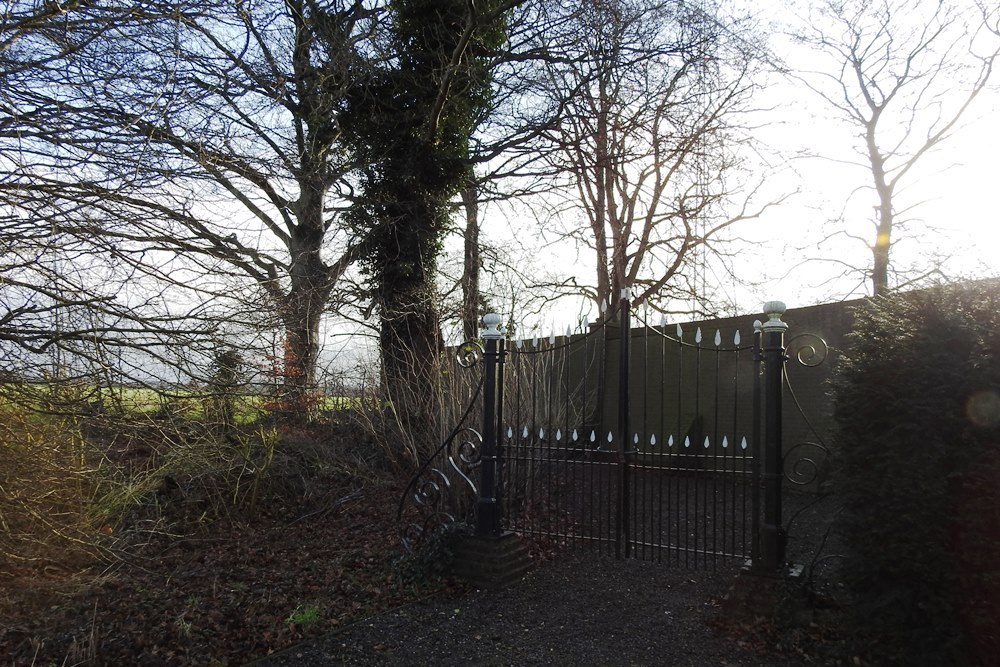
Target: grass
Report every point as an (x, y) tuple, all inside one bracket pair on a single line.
[(191, 404), (304, 616)]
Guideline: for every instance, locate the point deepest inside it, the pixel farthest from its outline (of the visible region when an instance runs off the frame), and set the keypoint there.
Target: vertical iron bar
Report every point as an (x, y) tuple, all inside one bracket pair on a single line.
[(680, 459), (737, 475), (699, 483), (772, 533), (487, 514), (756, 447), (623, 534), (606, 468), (647, 499), (569, 463), (533, 445), (714, 452), (587, 486), (772, 548), (660, 459), (498, 435), (550, 382)]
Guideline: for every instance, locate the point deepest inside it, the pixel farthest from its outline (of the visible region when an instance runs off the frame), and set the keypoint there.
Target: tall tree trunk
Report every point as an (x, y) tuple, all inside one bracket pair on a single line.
[(413, 123), (880, 250), (471, 263), (884, 190), (301, 318), (410, 332), (304, 305)]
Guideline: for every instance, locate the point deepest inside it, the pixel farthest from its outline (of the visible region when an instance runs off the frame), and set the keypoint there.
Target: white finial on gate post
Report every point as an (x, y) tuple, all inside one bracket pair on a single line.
[(491, 322), (774, 310)]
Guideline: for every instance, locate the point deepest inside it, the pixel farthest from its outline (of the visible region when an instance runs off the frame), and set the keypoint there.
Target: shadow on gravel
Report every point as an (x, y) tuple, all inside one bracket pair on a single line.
[(575, 611)]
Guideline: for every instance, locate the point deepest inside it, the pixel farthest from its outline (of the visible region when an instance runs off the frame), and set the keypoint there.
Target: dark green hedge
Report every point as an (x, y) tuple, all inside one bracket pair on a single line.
[(918, 411)]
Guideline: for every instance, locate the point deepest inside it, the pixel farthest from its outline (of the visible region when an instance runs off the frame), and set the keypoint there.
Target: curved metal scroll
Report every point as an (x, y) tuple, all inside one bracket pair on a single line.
[(804, 469), (442, 493), (469, 354), (810, 351), (807, 349)]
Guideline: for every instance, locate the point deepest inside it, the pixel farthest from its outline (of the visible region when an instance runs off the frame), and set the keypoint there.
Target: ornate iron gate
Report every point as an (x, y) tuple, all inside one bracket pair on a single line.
[(583, 447)]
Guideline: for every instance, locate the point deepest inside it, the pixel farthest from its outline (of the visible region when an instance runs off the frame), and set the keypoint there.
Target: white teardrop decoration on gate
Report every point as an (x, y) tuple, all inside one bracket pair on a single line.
[(593, 436), (725, 441), (552, 339), (558, 434), (534, 341), (743, 443), (541, 432), (663, 322), (652, 440), (519, 343), (524, 433), (697, 336), (718, 338), (670, 441), (611, 438), (736, 338), (687, 441), (706, 442), (569, 330), (575, 437), (510, 433), (680, 333), (635, 442), (586, 323)]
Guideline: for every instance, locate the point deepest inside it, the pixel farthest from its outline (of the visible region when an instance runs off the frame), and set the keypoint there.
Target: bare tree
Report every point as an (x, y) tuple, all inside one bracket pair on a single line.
[(902, 75), (60, 315), (510, 143), (647, 140), (196, 144)]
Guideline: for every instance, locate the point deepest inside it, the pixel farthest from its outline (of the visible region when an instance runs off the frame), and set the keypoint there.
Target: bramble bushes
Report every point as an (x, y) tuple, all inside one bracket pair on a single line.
[(917, 404)]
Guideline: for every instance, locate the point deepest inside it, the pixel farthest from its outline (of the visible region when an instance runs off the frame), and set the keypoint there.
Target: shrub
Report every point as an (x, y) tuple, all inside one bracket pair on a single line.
[(917, 403), (46, 482)]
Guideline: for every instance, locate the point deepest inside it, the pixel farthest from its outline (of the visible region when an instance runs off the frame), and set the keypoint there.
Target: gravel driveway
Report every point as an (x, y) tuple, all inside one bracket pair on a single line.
[(578, 610)]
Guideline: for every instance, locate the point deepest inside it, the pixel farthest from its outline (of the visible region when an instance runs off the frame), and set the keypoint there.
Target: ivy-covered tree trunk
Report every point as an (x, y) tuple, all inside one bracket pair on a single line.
[(471, 263), (410, 339), (412, 124)]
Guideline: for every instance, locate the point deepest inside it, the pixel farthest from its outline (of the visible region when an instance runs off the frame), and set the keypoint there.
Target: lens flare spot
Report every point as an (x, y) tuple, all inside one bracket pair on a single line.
[(983, 408)]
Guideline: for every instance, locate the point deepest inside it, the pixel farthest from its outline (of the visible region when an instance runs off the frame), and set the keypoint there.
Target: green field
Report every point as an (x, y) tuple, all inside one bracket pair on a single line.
[(247, 408)]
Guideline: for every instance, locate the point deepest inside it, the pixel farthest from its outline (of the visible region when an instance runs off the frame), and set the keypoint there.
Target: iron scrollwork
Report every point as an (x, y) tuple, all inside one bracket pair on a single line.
[(442, 494), (469, 354), (805, 463), (807, 349)]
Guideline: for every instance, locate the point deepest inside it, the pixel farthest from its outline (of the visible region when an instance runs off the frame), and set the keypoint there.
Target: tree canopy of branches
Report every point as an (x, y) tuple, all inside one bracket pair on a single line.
[(60, 279), (650, 90), (208, 151), (192, 146), (902, 75)]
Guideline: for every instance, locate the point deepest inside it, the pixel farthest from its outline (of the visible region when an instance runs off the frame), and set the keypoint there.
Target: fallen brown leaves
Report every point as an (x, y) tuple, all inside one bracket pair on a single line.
[(236, 590)]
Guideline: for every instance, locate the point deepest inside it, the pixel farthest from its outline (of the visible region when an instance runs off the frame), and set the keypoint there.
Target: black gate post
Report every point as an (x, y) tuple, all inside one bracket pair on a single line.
[(488, 504), (772, 535), (623, 534)]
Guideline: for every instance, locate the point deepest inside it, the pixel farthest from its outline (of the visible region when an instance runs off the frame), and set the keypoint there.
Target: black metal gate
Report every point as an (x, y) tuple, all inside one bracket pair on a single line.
[(658, 455)]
